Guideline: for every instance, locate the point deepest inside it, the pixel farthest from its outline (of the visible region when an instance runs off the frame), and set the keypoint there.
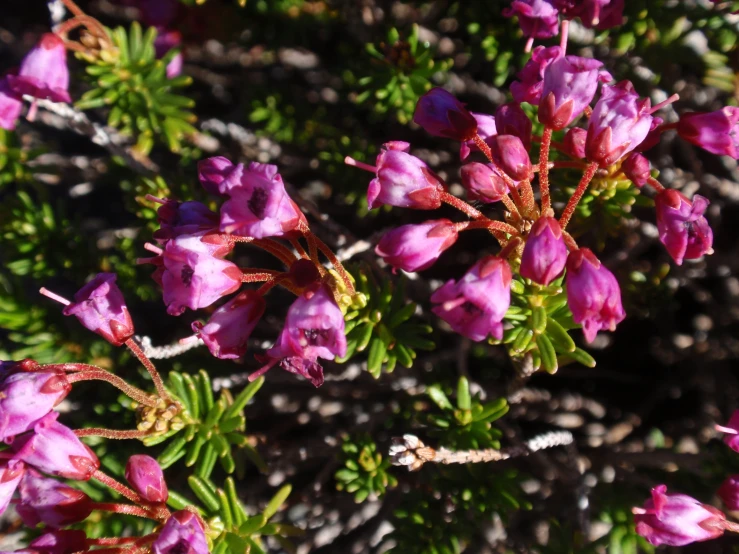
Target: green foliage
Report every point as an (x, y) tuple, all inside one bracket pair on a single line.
[(365, 472), (14, 159), (133, 84), (385, 326), (401, 73)]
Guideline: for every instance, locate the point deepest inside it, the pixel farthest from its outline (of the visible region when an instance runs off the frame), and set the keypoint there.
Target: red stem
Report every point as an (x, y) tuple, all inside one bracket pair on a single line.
[(462, 206), (338, 266), (546, 141), (299, 248), (277, 250), (120, 488), (111, 433), (146, 362), (98, 374), (489, 224), (266, 287), (527, 198), (105, 541), (655, 184), (579, 192), (127, 509), (510, 206), (570, 242), (256, 277), (510, 247)]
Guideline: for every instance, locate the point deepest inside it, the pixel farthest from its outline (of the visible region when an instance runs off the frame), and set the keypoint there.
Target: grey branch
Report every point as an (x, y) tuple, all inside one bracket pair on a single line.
[(166, 351)]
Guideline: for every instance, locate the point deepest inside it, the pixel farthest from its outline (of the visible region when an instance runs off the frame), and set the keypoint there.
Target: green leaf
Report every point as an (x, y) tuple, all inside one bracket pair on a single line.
[(377, 352), (167, 456), (225, 508), (204, 492), (243, 398), (439, 398), (277, 501), (206, 390), (559, 337), (464, 402), (548, 355), (253, 524)]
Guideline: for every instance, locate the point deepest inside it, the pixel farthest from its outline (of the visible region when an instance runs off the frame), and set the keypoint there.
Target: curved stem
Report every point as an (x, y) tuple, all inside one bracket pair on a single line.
[(120, 488), (462, 206), (578, 194), (527, 197), (72, 7), (276, 249), (299, 249), (546, 142), (101, 375), (127, 509), (489, 224), (338, 266), (510, 206), (508, 249), (111, 433), (257, 277), (655, 184), (146, 362), (570, 241), (274, 281), (105, 541)]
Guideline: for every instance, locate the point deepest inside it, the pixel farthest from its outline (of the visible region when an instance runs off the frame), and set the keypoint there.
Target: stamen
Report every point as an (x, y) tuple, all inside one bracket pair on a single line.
[(638, 511), (451, 304), (529, 44), (670, 100), (361, 165), (54, 296), (153, 198), (153, 248), (727, 430), (563, 34)]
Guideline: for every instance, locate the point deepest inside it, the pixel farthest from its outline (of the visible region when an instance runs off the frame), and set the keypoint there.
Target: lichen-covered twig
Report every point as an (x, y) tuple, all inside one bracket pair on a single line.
[(168, 350)]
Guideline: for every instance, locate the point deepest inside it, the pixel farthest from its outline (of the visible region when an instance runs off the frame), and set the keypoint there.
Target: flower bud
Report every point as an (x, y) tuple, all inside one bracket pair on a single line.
[(574, 142), (636, 168), (485, 130), (537, 18), (475, 305), (227, 332), (182, 533), (717, 132), (531, 78), (511, 156), (218, 175), (681, 225), (146, 477), (60, 541), (44, 73), (11, 472), (10, 106), (483, 183), (442, 115), (417, 247), (593, 294), (677, 519), (512, 120), (403, 180), (48, 501), (729, 492), (545, 253)]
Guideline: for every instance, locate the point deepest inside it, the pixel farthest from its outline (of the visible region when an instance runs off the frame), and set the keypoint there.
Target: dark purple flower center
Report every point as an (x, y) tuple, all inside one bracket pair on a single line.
[(313, 336), (182, 547), (471, 308), (186, 275), (258, 202)]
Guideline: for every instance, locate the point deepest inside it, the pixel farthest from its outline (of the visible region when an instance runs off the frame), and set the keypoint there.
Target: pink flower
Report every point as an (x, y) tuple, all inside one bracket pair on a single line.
[(732, 431), (537, 18), (717, 132), (512, 120), (43, 73), (483, 182), (54, 449), (26, 397), (593, 294), (48, 501), (227, 332), (511, 156), (10, 106), (403, 180), (545, 253), (574, 142), (218, 175), (146, 477), (682, 227), (677, 519), (259, 206), (570, 83), (166, 41), (636, 168), (601, 14), (729, 492), (185, 218), (65, 541), (417, 247), (654, 135), (182, 534), (11, 472), (486, 129), (100, 307), (619, 123), (531, 78), (442, 115), (475, 305)]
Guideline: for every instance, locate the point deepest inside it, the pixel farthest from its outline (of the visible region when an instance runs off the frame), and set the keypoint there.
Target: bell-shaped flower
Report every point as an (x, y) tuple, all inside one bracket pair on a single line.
[(184, 218), (677, 519), (475, 305), (10, 106), (259, 205), (729, 492), (731, 430), (227, 332), (574, 142), (682, 227), (593, 294), (100, 307), (11, 472), (717, 132), (537, 18), (417, 247), (569, 86), (59, 541), (530, 82), (218, 175), (598, 14), (510, 119), (442, 115), (545, 253), (483, 182), (619, 123), (486, 129), (182, 534), (147, 478), (636, 168), (26, 397), (49, 501), (44, 73), (653, 136), (54, 449), (403, 180), (512, 157)]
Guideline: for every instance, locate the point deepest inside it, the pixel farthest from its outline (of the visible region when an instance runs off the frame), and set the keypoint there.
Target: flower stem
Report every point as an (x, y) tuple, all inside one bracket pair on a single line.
[(527, 198), (510, 206), (272, 282), (257, 277), (299, 248), (278, 250), (127, 509), (101, 375), (338, 266), (492, 225), (146, 362), (579, 192), (655, 184), (462, 206), (546, 142), (111, 433), (120, 488)]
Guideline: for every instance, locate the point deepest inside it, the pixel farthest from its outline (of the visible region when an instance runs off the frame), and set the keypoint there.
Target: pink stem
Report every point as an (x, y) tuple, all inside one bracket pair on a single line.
[(361, 165), (146, 362), (46, 292), (670, 100)]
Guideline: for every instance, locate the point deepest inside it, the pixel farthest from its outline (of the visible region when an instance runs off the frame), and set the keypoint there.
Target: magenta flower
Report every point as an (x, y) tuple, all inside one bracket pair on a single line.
[(601, 14), (10, 106), (183, 533), (11, 472), (677, 519), (259, 206), (574, 142), (218, 175), (569, 85), (731, 429), (48, 501), (486, 129), (475, 305), (537, 18), (511, 156), (189, 218), (636, 168), (545, 253), (483, 182), (619, 123), (530, 82), (166, 41), (59, 541), (512, 120), (729, 492), (227, 332), (717, 132), (26, 397), (193, 277), (146, 477), (403, 180), (654, 135), (417, 247), (43, 73), (593, 294), (54, 449), (100, 307), (442, 115), (682, 227)]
